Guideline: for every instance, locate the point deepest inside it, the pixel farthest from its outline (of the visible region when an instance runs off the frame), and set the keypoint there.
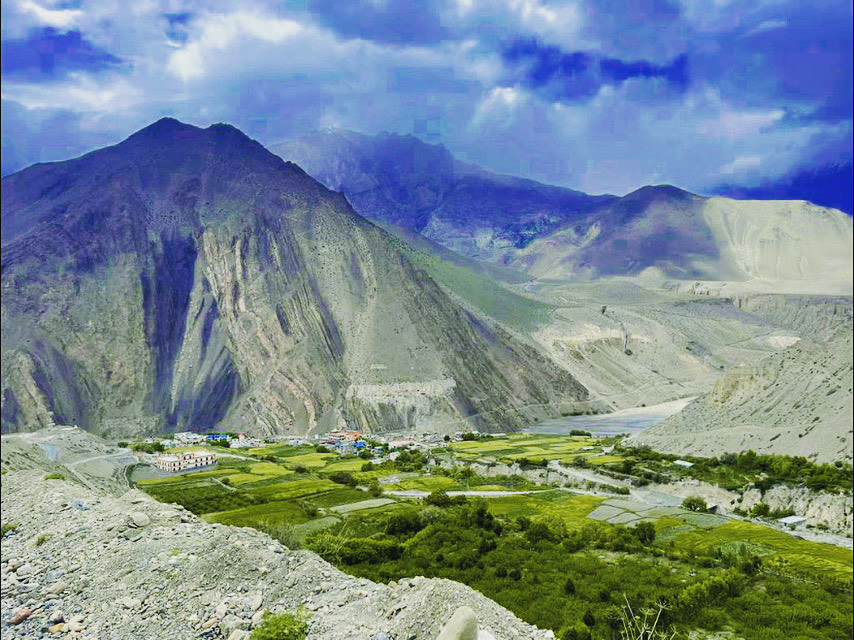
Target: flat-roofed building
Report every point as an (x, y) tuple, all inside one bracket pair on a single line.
[(187, 460)]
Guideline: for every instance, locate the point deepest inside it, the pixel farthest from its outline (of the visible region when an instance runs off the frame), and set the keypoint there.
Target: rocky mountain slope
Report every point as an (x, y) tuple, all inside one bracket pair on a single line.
[(83, 563), (663, 231), (797, 401), (403, 181), (188, 278), (551, 232)]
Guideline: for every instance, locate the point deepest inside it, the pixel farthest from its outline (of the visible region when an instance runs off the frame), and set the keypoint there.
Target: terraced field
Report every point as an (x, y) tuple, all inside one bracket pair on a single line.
[(256, 491), (515, 447), (803, 556)]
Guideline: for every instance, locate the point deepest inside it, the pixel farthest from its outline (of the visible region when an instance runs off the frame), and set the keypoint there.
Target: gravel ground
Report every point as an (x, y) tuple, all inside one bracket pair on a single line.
[(85, 564)]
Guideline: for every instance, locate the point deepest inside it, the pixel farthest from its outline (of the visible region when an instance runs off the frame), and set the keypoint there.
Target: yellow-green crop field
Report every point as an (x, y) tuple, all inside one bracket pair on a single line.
[(803, 555), (571, 509), (514, 447)]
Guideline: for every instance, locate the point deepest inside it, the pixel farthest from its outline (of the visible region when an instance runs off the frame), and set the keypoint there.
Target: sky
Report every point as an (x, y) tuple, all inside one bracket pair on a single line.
[(602, 96)]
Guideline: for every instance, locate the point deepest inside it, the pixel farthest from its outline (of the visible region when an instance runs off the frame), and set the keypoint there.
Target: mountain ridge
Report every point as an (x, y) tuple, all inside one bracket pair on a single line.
[(190, 278), (552, 232)]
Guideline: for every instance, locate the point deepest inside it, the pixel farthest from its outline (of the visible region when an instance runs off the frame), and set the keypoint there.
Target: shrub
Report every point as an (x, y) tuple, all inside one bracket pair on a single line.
[(283, 532), (300, 468), (56, 475), (374, 488), (284, 626), (403, 521), (694, 503), (645, 532), (342, 477), (43, 537), (8, 527), (438, 499), (368, 466), (147, 447), (760, 510)]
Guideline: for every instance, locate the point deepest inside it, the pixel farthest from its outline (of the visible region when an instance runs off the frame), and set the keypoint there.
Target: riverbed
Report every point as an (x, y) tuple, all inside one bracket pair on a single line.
[(629, 421)]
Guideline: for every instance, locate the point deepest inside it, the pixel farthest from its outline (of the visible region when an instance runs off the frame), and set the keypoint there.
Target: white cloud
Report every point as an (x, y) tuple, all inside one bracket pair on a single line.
[(765, 26), (80, 93), (732, 124), (741, 164), (221, 32), (57, 18)]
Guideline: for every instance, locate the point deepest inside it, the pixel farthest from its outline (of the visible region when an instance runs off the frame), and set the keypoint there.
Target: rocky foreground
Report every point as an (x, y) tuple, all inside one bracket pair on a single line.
[(85, 564)]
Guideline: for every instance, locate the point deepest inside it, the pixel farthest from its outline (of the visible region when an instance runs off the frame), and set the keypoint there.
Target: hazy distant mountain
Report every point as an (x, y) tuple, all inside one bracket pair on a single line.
[(402, 180), (664, 231), (552, 232), (189, 278)]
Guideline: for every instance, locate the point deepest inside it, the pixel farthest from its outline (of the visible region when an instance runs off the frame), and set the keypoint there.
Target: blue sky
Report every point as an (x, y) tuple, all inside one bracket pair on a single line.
[(603, 96)]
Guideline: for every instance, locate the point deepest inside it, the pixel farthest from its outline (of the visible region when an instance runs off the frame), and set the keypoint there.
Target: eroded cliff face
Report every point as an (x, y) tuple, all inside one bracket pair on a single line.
[(188, 279)]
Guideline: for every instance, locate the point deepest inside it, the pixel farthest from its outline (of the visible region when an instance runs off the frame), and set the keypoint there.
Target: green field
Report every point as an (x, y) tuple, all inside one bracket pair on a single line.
[(804, 556), (515, 447), (571, 509), (288, 491)]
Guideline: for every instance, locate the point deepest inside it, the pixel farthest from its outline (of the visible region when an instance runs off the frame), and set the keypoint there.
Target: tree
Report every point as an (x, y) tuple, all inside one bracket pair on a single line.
[(695, 503), (374, 488), (438, 499), (645, 532)]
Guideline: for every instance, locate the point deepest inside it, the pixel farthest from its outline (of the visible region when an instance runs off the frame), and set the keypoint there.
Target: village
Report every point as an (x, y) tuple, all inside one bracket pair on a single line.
[(581, 465), (342, 442)]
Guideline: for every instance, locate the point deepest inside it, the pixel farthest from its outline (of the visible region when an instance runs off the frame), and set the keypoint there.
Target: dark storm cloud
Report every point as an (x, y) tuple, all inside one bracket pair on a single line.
[(577, 75), (602, 95), (176, 26), (48, 54)]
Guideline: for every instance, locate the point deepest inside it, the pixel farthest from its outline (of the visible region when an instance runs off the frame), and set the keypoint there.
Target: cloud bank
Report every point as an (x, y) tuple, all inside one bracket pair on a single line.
[(577, 93)]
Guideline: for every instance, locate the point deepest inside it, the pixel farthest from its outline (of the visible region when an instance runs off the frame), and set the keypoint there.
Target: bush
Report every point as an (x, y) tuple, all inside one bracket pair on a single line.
[(760, 510), (284, 626), (374, 488), (403, 521), (56, 475), (8, 527), (300, 468), (342, 477), (438, 499), (580, 432), (283, 532), (645, 532), (147, 447), (695, 503), (368, 466)]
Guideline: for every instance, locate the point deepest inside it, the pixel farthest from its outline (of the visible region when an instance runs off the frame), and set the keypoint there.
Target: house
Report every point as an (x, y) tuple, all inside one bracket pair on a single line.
[(188, 437), (792, 521), (214, 437), (187, 460), (683, 463)]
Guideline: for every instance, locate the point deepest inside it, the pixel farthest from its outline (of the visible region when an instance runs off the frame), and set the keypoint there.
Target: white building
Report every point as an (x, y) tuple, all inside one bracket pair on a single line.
[(792, 520), (188, 460), (188, 437), (683, 463)]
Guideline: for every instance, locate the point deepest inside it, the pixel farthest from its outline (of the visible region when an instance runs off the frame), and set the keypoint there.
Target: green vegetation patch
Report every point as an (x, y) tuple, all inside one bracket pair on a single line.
[(571, 509), (803, 556)]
